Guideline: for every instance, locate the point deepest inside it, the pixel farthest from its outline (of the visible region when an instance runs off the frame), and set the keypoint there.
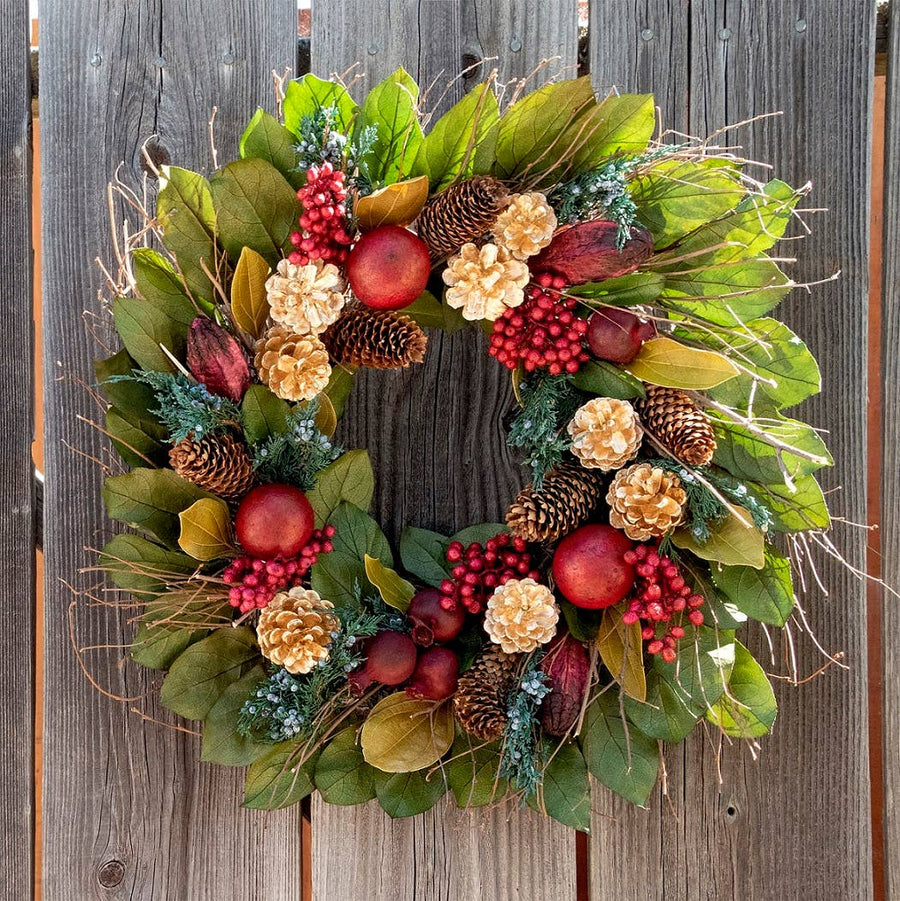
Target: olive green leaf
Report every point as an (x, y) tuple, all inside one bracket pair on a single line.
[(137, 443), (349, 478), (263, 414), (664, 361), (342, 776), (565, 793), (424, 555), (395, 591), (222, 743), (408, 794), (606, 380), (732, 542), (429, 312), (144, 325), (265, 138), (621, 650), (403, 734), (622, 123), (206, 532), (249, 303), (474, 773), (277, 779), (142, 567)]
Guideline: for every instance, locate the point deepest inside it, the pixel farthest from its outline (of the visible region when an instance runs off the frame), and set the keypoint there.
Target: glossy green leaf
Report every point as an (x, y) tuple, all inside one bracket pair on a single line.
[(277, 779), (265, 138), (423, 555), (473, 772), (606, 380), (349, 478), (799, 509), (339, 386), (133, 398), (623, 291), (263, 414), (748, 708), (222, 743), (732, 542), (407, 794), (429, 312), (304, 96), (342, 776), (481, 532), (395, 591), (765, 594), (142, 567), (621, 123), (158, 647), (156, 278)]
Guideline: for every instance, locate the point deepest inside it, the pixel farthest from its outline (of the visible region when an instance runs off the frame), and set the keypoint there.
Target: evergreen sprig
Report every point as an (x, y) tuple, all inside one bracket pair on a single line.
[(520, 760), (321, 141)]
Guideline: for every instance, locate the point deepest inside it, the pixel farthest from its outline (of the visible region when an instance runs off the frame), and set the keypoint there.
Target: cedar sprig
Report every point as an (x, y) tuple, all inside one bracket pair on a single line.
[(321, 141), (519, 760)]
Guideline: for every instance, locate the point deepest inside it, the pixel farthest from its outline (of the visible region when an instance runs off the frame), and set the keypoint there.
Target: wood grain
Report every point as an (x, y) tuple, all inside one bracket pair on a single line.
[(16, 494), (890, 467), (796, 824), (129, 810), (437, 441)]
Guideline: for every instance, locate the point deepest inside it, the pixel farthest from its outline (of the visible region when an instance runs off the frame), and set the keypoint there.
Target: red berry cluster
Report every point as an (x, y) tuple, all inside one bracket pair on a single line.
[(255, 582), (323, 234), (479, 569), (543, 332), (661, 593)]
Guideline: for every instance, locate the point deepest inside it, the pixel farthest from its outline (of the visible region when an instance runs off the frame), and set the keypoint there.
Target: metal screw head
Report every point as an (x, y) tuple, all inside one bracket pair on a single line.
[(96, 59), (515, 45), (373, 49), (228, 57), (647, 34), (800, 25), (725, 34), (161, 62)]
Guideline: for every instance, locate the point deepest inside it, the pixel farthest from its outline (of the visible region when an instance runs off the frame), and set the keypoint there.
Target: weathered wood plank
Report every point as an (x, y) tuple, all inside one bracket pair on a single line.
[(129, 810), (431, 432), (16, 494), (890, 467), (807, 800)]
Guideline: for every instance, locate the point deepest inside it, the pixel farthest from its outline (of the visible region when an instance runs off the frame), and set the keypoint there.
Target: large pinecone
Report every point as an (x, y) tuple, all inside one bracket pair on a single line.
[(460, 214), (378, 339), (678, 424), (219, 464), (567, 499), (481, 698)]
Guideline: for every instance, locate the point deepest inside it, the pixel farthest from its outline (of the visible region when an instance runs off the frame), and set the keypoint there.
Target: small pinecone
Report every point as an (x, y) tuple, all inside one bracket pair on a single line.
[(481, 697), (678, 424), (460, 214), (219, 464), (378, 339), (567, 499)]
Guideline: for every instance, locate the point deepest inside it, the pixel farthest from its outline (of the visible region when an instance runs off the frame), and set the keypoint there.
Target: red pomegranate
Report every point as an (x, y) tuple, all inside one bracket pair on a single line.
[(274, 521), (388, 267), (590, 569)]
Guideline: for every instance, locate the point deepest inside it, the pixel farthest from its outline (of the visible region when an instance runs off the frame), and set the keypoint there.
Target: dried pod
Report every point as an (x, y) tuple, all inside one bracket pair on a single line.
[(216, 359), (567, 666)]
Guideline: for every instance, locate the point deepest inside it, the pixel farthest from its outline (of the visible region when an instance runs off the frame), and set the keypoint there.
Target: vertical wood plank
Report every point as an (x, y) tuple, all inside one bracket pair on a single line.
[(890, 465), (16, 496), (807, 799), (436, 438), (129, 810)]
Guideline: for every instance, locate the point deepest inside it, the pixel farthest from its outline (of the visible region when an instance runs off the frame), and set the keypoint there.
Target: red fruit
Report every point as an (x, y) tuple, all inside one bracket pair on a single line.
[(431, 620), (390, 660), (435, 675), (389, 267), (616, 335), (274, 521), (567, 666), (216, 359), (589, 568)]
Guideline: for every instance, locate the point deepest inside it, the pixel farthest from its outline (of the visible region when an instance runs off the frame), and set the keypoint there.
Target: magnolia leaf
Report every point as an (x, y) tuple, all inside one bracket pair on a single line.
[(340, 384), (206, 530), (249, 304), (408, 794), (480, 532), (473, 773), (326, 418), (137, 443), (158, 647), (403, 734), (800, 507), (664, 361), (582, 623), (565, 793), (265, 138), (278, 779), (427, 311), (622, 123), (424, 555), (748, 707), (630, 290), (621, 650), (606, 380), (732, 542), (304, 96), (395, 591), (349, 478), (222, 742), (144, 325), (342, 776), (263, 414), (396, 204), (141, 566), (155, 277)]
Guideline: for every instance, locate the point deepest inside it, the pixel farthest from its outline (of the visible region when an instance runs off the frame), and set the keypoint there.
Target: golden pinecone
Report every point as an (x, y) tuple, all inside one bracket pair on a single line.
[(484, 281), (606, 433), (219, 464), (296, 628), (521, 615), (567, 498), (294, 366), (678, 424), (306, 299), (482, 695), (645, 501), (526, 226), (378, 339), (460, 214)]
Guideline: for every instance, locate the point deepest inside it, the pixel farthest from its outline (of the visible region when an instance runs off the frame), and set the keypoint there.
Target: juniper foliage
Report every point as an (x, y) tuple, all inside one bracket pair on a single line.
[(520, 760), (321, 142)]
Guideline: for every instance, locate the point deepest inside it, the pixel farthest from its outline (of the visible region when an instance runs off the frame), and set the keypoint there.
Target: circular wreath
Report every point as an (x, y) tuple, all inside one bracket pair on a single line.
[(625, 284)]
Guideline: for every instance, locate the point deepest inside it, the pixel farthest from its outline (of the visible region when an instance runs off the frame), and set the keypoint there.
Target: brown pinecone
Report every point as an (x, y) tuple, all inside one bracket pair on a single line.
[(566, 500), (678, 424), (219, 464), (481, 697), (460, 214), (378, 339)]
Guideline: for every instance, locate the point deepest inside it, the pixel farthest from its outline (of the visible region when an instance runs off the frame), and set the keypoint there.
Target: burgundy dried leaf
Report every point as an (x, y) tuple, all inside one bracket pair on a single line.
[(567, 666), (216, 359)]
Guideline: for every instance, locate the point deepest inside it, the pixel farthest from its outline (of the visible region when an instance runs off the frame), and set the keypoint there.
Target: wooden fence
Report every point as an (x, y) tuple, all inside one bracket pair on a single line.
[(128, 809)]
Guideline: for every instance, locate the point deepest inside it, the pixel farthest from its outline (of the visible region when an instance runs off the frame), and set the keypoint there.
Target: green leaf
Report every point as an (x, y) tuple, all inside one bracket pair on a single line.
[(339, 386), (263, 414), (138, 444), (678, 195), (664, 361), (424, 555), (403, 734), (429, 312), (606, 380), (201, 674), (748, 708), (265, 138), (304, 96), (206, 532), (583, 624), (390, 108), (255, 208), (342, 776), (150, 499), (473, 773), (185, 210), (622, 652), (529, 138), (349, 478), (134, 399), (481, 532), (276, 780), (156, 278), (462, 140), (249, 303), (142, 567), (407, 794), (395, 591), (565, 793), (801, 509), (622, 123), (630, 290), (158, 647), (222, 743), (766, 594), (618, 755), (732, 542), (144, 325)]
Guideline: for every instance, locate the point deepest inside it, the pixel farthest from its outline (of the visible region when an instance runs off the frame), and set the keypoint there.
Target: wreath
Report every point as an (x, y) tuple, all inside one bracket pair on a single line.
[(625, 284)]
